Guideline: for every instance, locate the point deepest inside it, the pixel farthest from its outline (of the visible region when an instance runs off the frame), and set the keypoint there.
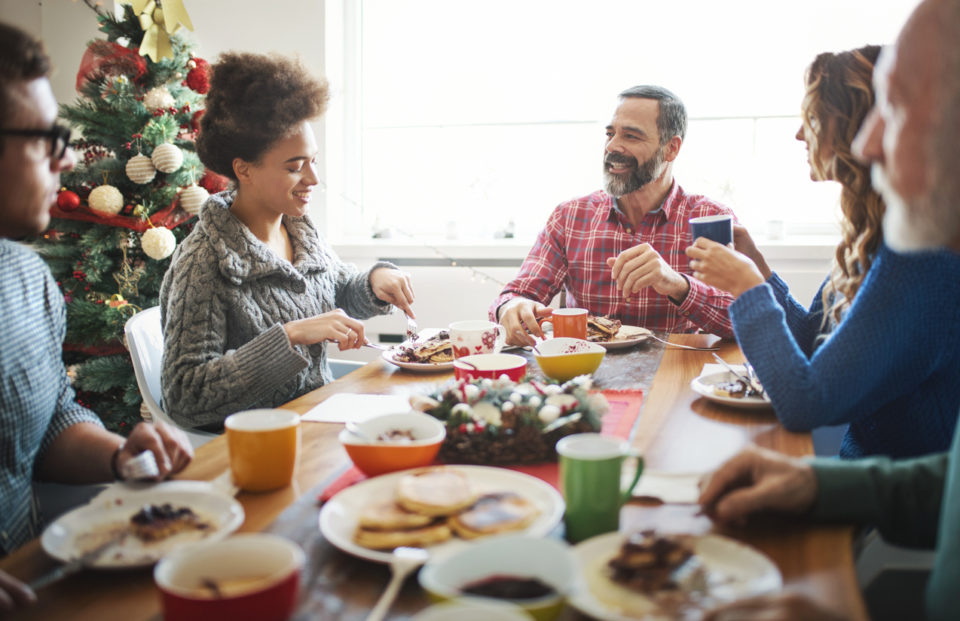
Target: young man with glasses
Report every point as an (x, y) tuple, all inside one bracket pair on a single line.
[(44, 433)]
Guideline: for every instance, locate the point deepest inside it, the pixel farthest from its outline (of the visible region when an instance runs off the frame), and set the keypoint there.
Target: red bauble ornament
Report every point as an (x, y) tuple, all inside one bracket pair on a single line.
[(199, 77), (67, 200), (213, 183)]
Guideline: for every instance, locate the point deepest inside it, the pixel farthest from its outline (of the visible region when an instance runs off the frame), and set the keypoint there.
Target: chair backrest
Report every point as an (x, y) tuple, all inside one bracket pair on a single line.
[(145, 340)]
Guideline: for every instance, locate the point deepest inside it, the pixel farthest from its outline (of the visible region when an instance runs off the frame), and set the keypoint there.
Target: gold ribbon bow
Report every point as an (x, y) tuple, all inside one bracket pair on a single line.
[(159, 21)]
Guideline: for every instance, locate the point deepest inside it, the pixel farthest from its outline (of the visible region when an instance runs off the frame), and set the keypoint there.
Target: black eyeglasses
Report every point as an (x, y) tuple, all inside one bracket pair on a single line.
[(58, 135)]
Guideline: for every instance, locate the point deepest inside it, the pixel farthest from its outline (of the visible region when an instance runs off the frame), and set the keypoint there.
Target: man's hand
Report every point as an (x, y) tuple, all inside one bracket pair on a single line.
[(642, 266), (758, 480), (393, 286), (14, 594), (169, 445), (781, 607), (723, 268), (519, 316)]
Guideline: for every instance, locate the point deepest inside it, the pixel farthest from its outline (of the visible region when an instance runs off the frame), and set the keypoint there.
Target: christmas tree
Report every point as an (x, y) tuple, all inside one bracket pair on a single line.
[(132, 197)]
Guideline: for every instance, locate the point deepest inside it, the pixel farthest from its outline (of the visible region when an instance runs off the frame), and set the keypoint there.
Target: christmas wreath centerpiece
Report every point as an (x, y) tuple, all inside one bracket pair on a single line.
[(503, 422)]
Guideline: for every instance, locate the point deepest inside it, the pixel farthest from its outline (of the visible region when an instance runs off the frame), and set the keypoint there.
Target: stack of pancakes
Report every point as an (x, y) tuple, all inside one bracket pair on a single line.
[(602, 328), (436, 349), (431, 504)]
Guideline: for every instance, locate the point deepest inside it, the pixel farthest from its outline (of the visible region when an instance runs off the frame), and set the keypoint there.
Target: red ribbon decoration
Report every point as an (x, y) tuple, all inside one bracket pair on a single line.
[(104, 58), (169, 217)]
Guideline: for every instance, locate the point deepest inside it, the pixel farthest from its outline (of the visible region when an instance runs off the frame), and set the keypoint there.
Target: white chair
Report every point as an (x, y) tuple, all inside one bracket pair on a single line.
[(145, 340), (340, 367)]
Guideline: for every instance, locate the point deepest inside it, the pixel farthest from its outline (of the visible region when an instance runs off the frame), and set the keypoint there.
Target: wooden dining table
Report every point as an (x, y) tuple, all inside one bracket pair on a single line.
[(677, 431)]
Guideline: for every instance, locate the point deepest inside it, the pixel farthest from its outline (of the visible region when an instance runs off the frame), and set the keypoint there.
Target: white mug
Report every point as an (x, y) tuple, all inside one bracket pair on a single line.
[(476, 337)]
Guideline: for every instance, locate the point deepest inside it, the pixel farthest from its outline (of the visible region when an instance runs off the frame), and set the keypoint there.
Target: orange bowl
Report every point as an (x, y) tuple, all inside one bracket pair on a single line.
[(380, 456), (256, 575)]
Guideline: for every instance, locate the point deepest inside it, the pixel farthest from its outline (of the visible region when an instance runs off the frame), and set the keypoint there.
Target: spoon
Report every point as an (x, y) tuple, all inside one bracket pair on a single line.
[(404, 561), (354, 428)]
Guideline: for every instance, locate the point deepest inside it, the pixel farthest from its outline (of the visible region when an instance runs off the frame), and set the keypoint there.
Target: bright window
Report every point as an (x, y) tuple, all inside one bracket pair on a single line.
[(456, 119)]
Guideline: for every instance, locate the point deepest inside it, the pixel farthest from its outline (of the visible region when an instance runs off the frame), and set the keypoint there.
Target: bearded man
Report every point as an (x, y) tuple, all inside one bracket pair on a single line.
[(620, 251)]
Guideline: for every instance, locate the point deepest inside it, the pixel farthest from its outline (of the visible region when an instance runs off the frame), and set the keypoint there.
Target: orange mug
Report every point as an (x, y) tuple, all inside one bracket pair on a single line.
[(263, 447), (570, 322)]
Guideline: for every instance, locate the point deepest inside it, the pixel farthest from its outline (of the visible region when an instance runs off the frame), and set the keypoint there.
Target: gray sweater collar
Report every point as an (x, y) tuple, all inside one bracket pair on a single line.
[(243, 257)]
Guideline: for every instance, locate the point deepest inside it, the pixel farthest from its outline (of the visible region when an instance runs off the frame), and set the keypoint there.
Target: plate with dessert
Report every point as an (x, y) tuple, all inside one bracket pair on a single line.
[(431, 351), (612, 334), (724, 387), (657, 577), (437, 508), (136, 527)]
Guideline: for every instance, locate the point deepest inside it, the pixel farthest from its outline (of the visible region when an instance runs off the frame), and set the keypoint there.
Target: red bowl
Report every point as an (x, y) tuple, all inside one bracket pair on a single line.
[(258, 576), (491, 366)]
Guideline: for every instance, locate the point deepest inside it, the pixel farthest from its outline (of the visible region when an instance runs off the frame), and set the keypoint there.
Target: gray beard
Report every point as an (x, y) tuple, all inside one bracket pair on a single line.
[(621, 185), (924, 224)]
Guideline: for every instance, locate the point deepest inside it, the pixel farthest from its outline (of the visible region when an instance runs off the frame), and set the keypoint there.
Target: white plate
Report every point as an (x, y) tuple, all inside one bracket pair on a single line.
[(417, 366), (627, 336), (338, 517), (705, 383), (82, 529), (734, 571)]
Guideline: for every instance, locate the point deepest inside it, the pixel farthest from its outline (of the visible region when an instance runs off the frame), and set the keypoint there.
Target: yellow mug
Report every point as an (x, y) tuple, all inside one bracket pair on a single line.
[(263, 446)]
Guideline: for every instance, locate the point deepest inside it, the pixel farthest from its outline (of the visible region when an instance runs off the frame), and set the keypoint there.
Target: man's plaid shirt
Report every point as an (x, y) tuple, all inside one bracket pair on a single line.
[(36, 401), (572, 250)]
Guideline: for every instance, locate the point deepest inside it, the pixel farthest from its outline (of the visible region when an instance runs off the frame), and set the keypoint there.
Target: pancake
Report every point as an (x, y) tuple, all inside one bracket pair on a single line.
[(494, 513), (435, 491), (415, 537), (389, 516), (602, 328)]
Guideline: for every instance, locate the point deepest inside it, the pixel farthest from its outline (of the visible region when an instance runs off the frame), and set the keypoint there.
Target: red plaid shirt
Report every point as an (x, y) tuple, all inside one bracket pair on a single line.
[(580, 235)]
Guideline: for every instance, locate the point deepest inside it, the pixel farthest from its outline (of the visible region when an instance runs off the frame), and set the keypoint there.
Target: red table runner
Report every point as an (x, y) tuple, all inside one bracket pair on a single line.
[(618, 421)]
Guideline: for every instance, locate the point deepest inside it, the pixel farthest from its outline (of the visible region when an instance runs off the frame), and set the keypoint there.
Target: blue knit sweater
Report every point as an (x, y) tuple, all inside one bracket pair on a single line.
[(890, 367)]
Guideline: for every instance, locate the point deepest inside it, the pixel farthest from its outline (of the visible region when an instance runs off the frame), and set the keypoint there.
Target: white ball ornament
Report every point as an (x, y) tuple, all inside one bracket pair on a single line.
[(192, 199), (105, 200), (158, 243), (158, 98), (167, 158), (140, 169)]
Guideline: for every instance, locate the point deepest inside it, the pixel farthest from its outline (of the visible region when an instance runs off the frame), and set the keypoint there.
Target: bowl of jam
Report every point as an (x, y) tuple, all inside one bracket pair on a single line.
[(535, 574)]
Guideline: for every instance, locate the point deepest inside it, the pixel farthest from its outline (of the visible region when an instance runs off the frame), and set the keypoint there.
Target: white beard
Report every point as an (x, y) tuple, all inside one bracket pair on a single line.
[(922, 225)]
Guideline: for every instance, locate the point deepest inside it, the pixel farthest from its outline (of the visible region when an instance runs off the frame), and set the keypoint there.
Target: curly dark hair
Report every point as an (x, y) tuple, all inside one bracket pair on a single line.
[(22, 58), (254, 101)]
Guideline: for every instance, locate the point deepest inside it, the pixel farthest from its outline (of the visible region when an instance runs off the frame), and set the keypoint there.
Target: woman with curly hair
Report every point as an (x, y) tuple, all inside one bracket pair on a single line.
[(879, 347), (253, 293)]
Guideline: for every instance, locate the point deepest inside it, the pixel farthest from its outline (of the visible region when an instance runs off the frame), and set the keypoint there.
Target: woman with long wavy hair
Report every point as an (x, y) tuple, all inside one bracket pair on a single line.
[(879, 347)]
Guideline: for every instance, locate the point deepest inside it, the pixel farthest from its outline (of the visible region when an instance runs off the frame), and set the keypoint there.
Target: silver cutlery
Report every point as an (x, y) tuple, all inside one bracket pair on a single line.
[(745, 379), (71, 567), (376, 346), (404, 561), (680, 346), (413, 332)]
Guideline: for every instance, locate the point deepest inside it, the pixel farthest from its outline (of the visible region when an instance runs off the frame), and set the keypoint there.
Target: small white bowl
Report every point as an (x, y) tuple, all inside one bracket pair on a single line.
[(549, 560)]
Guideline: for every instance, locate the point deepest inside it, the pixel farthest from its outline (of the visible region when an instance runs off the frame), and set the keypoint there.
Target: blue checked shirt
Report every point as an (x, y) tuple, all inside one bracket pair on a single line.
[(36, 400)]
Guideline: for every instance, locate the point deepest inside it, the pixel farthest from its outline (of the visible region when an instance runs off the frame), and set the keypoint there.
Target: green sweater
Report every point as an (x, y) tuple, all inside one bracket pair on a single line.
[(913, 502)]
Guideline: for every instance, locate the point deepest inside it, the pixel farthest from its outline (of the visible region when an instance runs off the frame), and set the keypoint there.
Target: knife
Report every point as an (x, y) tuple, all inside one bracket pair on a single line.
[(73, 566), (748, 381)]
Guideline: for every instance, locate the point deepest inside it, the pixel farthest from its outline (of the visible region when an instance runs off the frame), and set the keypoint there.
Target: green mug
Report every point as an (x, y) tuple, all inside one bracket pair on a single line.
[(590, 468)]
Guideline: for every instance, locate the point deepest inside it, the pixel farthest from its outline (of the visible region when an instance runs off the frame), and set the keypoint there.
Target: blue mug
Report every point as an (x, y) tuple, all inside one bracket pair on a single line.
[(719, 228)]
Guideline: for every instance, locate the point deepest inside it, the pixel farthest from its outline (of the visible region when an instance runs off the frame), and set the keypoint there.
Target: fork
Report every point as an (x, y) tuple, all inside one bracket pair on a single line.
[(680, 346), (413, 332), (404, 561)]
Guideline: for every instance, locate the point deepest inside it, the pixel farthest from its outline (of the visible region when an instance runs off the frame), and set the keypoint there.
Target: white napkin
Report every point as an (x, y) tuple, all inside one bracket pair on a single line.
[(670, 487), (710, 369), (347, 406)]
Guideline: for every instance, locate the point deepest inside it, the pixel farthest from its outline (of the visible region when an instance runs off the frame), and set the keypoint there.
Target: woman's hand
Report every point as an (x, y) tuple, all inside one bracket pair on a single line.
[(723, 268), (336, 326), (742, 242), (14, 594), (393, 286)]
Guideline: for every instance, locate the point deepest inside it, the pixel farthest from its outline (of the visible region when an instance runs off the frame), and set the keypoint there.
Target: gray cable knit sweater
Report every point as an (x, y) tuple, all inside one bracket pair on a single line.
[(224, 301)]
